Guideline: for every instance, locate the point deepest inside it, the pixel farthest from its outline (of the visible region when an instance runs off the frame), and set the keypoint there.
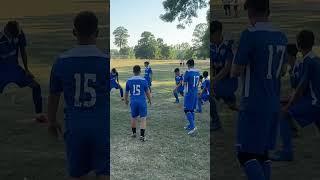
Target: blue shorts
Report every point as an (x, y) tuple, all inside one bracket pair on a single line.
[(180, 90), (205, 97), (138, 108), (304, 112), (13, 73), (190, 102), (114, 85), (149, 81), (256, 131), (87, 152)]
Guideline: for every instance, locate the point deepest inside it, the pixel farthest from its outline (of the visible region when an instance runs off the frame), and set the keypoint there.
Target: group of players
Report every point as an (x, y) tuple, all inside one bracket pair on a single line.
[(262, 58)]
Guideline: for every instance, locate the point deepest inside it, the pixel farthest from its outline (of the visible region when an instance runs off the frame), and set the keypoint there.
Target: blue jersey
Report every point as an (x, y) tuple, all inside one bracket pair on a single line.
[(80, 74), (295, 74), (220, 54), (311, 77), (148, 73), (261, 51), (138, 87), (205, 86), (191, 78), (114, 77), (9, 48), (179, 80)]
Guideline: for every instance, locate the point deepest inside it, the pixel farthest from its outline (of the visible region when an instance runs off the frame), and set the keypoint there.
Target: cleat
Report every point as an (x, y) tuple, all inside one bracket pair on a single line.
[(282, 156), (142, 138), (191, 132), (176, 102), (134, 135), (187, 128), (41, 118)]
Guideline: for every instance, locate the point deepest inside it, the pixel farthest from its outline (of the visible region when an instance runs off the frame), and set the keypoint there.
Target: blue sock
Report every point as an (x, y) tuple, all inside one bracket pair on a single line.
[(193, 120), (285, 133), (37, 98), (190, 119), (121, 92), (176, 95), (253, 170), (266, 166), (199, 105)]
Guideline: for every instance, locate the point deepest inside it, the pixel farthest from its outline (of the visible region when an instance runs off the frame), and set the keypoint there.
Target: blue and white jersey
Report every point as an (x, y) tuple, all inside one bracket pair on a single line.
[(148, 73), (295, 74), (311, 77), (138, 87), (262, 51), (179, 80), (114, 77), (80, 74), (191, 80), (205, 86), (220, 54), (9, 48)]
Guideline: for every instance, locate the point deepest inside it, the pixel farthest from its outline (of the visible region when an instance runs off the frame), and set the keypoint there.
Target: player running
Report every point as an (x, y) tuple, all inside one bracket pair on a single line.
[(191, 83), (304, 104), (80, 74), (138, 88), (148, 74), (13, 42), (204, 95), (224, 86), (114, 82), (179, 85), (259, 61)]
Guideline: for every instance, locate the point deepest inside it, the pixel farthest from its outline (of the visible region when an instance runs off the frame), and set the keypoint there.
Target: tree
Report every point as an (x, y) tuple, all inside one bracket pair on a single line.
[(147, 46), (201, 40), (120, 37), (182, 10)]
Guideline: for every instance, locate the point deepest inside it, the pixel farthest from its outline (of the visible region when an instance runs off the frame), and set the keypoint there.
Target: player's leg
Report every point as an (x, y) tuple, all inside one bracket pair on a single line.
[(134, 117), (199, 102), (143, 117), (100, 154), (121, 90), (175, 94), (191, 107), (215, 123)]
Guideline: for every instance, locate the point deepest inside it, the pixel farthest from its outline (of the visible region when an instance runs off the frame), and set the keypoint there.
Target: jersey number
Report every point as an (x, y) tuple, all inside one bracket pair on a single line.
[(279, 49), (136, 90), (86, 89), (195, 81)]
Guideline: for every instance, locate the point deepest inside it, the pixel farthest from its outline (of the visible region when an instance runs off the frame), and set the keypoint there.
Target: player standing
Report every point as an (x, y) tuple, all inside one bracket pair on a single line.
[(13, 42), (148, 74), (204, 94), (179, 85), (138, 88), (227, 7), (114, 81), (259, 62), (80, 74), (191, 83)]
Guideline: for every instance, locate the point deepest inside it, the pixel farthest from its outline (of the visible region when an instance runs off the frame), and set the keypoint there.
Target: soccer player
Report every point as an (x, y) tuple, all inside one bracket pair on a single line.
[(12, 43), (138, 88), (204, 95), (148, 74), (179, 85), (80, 74), (191, 83), (227, 7), (114, 82), (235, 7), (224, 86), (259, 61), (304, 105)]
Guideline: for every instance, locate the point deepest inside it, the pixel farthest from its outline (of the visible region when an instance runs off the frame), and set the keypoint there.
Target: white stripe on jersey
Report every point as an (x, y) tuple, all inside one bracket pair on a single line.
[(262, 26), (83, 51), (136, 78), (247, 82)]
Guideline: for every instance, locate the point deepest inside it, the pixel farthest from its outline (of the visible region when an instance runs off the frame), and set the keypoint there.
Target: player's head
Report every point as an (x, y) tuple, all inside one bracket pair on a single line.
[(177, 71), (86, 27), (146, 63), (216, 32), (190, 63), (200, 78), (257, 10), (12, 29), (292, 52), (305, 41), (205, 74), (113, 70), (136, 70)]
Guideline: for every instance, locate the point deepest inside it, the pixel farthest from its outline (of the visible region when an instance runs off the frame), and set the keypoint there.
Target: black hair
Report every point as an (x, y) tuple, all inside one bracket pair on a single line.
[(176, 70), (113, 70), (190, 62), (86, 23), (215, 26), (260, 7), (13, 28), (146, 62), (200, 77), (205, 74), (305, 39), (136, 69), (292, 49)]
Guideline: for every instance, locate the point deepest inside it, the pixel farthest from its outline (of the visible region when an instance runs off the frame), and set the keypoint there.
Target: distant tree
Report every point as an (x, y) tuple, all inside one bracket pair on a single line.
[(121, 37), (147, 46), (201, 40), (124, 51), (182, 10)]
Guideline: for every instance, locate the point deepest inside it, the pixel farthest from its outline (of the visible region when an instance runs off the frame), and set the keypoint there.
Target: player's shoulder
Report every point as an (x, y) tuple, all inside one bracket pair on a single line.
[(136, 78), (311, 58), (83, 51)]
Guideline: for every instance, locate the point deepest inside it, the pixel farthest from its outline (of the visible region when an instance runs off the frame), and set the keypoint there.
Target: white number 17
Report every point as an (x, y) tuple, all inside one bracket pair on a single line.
[(280, 49)]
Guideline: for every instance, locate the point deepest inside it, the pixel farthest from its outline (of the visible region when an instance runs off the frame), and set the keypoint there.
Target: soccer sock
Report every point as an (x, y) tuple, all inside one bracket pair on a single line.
[(37, 98), (189, 118), (142, 131), (176, 95), (134, 130), (266, 166), (121, 92), (285, 133), (193, 120), (199, 105), (253, 170)]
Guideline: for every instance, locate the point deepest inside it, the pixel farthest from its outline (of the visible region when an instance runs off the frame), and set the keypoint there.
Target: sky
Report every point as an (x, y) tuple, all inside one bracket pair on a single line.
[(144, 15)]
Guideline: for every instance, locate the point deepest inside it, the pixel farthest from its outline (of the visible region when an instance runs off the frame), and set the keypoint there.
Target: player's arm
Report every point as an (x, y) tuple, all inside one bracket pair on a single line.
[(126, 94), (225, 71), (148, 94), (23, 52), (242, 57)]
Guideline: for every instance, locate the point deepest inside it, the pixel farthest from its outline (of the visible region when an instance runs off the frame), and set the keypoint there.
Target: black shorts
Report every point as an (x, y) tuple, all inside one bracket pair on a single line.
[(227, 6)]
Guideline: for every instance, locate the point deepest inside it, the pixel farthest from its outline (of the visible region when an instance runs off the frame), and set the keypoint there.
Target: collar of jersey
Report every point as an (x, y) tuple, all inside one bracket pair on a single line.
[(136, 77), (261, 26)]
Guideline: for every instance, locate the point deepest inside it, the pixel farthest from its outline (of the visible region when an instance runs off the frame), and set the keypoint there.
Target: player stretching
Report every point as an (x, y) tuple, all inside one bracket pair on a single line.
[(114, 82), (139, 89), (191, 83), (13, 42), (179, 85), (259, 61), (304, 104), (148, 74), (224, 86), (204, 94), (80, 74)]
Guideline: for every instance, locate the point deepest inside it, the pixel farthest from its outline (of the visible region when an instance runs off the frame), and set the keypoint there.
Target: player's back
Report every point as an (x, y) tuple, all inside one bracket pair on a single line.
[(264, 47), (179, 79), (311, 65), (113, 76), (191, 78), (81, 74), (137, 86)]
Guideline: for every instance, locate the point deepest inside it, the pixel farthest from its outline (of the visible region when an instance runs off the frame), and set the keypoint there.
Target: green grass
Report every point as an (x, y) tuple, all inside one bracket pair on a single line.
[(168, 153), (291, 17)]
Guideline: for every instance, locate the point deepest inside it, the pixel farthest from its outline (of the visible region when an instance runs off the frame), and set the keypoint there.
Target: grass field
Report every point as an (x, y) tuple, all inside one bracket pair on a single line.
[(25, 148), (290, 16), (168, 153)]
